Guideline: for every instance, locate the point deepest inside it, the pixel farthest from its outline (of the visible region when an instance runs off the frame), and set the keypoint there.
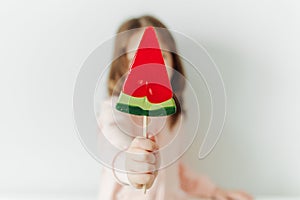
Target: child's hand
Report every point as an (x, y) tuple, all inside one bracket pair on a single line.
[(142, 162)]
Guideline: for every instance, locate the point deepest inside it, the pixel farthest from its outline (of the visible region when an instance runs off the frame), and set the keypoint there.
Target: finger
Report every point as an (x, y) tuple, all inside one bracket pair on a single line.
[(153, 138), (137, 186), (142, 156), (140, 167), (140, 179), (144, 143)]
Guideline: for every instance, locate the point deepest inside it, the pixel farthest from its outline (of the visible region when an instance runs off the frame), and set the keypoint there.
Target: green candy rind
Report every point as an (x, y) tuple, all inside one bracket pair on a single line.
[(143, 102), (141, 106), (135, 110)]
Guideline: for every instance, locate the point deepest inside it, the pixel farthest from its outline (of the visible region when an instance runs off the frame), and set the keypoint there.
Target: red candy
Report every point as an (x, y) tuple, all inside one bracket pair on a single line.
[(148, 75)]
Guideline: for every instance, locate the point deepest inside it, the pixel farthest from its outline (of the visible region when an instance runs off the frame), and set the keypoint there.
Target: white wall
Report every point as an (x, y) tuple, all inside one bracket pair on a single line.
[(255, 44)]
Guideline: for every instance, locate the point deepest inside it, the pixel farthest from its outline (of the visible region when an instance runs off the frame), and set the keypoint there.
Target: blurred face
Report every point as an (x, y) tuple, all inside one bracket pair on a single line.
[(133, 44)]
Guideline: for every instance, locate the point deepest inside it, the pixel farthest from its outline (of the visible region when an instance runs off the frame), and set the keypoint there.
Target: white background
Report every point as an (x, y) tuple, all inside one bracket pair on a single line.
[(256, 45)]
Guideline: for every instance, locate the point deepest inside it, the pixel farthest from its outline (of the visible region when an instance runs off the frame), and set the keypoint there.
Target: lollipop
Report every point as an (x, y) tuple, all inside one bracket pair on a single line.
[(147, 90)]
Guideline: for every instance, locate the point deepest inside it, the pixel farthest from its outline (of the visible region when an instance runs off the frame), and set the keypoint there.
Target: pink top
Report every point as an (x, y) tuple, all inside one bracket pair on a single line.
[(176, 181)]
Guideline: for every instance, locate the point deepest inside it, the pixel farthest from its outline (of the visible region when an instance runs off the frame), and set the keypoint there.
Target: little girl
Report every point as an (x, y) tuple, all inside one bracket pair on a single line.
[(174, 182)]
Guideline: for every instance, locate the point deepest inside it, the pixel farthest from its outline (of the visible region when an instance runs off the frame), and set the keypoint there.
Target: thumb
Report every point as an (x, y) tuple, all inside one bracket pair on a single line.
[(152, 137)]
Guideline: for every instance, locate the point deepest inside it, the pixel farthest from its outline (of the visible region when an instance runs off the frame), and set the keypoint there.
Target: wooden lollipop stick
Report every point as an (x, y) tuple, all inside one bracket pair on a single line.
[(145, 121), (145, 134)]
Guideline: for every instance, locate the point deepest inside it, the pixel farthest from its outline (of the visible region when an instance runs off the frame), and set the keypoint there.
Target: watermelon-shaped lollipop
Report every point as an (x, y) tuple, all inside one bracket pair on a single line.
[(147, 90)]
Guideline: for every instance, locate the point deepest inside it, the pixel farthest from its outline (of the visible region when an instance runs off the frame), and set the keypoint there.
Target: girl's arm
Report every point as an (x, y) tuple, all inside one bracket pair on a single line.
[(111, 123)]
